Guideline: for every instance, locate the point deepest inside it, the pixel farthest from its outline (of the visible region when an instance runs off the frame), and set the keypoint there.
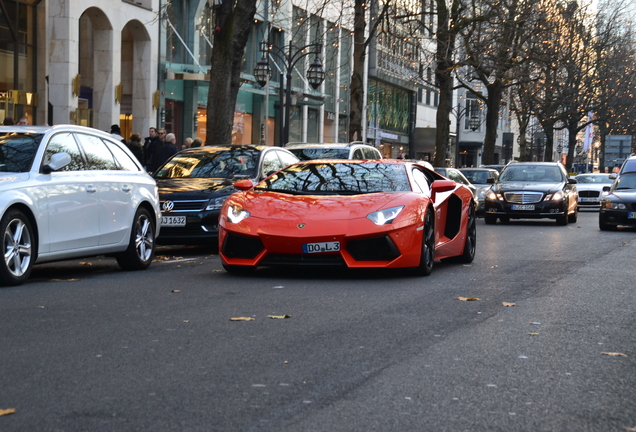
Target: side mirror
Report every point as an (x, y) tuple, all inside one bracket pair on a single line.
[(57, 162), (612, 176), (439, 186), (244, 185), (490, 180), (606, 188), (572, 181)]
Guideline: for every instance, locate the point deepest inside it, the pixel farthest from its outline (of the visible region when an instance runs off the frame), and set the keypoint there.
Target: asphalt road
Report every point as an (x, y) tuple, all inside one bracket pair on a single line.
[(87, 347)]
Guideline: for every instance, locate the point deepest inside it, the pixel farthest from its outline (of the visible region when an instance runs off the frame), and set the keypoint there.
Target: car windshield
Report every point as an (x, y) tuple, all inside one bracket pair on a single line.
[(477, 177), (338, 178), (17, 151), (226, 164), (626, 181), (531, 174), (598, 179), (320, 153), (630, 166)]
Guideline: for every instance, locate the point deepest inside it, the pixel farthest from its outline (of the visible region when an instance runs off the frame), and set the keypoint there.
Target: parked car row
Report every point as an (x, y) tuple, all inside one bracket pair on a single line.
[(69, 191)]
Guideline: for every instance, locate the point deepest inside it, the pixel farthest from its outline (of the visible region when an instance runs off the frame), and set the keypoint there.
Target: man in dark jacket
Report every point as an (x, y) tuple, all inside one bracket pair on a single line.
[(152, 143), (163, 153)]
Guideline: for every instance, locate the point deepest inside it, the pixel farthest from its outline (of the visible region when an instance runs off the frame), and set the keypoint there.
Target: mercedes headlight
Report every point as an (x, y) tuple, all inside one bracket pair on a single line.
[(386, 216), (557, 196), (491, 195), (236, 214)]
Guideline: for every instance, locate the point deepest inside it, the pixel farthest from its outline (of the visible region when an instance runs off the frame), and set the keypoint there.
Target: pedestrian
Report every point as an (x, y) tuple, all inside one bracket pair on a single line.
[(187, 143), (116, 133), (152, 143), (24, 121), (164, 152), (197, 142), (136, 147)]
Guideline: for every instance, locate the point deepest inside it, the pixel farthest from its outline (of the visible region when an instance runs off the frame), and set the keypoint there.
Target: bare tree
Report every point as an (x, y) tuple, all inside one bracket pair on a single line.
[(233, 25), (494, 50)]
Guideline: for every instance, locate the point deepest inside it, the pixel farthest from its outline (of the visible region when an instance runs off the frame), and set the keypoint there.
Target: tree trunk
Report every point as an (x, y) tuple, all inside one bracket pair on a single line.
[(357, 83), (234, 22), (444, 80), (493, 103)]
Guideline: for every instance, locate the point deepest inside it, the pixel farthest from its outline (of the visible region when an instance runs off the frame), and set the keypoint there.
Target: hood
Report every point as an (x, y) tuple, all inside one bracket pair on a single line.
[(194, 188), (627, 195), (279, 213), (7, 180), (529, 187)]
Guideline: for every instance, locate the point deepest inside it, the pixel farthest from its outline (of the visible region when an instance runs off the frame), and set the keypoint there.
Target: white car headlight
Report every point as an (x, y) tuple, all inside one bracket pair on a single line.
[(386, 216), (557, 196), (216, 203), (236, 214)]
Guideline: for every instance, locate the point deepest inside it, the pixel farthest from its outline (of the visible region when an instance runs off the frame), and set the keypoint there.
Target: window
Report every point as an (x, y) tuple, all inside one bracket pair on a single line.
[(270, 163), (122, 158), (97, 154), (64, 142)]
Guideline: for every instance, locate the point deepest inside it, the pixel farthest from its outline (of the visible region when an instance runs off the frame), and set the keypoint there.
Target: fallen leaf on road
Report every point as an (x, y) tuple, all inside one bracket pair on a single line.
[(467, 298), (508, 304), (278, 316), (632, 429), (533, 334), (242, 319), (7, 411), (614, 354)]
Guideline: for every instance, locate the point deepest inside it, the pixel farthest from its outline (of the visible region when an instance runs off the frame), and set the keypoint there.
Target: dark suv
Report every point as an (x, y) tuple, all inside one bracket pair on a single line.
[(532, 190)]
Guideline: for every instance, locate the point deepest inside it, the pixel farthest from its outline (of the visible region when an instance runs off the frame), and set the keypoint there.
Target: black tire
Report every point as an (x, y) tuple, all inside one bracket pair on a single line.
[(17, 247), (490, 219), (604, 226), (470, 245), (572, 218), (427, 258), (562, 220), (141, 247), (238, 270)]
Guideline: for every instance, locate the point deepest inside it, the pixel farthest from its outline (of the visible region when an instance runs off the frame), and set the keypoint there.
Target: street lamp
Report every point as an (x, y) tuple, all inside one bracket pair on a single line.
[(473, 125), (315, 75)]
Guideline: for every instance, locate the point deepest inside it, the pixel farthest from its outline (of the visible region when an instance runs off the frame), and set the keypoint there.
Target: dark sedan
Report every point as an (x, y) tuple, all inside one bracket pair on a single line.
[(618, 207), (532, 190), (194, 183)]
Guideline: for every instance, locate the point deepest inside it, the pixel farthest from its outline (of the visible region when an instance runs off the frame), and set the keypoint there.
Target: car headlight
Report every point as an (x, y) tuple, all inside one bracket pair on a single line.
[(614, 205), (216, 203), (236, 214), (491, 195), (557, 196), (386, 216)]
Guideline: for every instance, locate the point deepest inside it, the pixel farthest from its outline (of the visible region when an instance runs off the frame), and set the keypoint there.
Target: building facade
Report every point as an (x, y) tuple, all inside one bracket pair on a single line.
[(89, 62)]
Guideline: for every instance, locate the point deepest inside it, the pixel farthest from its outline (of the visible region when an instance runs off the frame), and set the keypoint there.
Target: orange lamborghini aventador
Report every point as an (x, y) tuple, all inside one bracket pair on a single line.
[(381, 214)]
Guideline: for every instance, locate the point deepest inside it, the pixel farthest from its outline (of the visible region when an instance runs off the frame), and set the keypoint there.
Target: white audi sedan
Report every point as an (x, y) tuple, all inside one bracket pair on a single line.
[(68, 192)]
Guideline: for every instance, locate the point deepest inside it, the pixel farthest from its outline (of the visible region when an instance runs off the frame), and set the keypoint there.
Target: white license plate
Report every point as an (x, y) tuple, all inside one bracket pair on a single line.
[(321, 247), (523, 207), (590, 199), (174, 221)]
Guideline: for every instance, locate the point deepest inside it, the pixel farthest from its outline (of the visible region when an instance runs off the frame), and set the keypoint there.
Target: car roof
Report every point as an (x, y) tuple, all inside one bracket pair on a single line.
[(326, 145), (219, 147)]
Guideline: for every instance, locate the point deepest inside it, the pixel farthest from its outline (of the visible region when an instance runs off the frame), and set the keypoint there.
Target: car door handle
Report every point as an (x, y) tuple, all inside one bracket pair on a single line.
[(91, 189), (126, 188)]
